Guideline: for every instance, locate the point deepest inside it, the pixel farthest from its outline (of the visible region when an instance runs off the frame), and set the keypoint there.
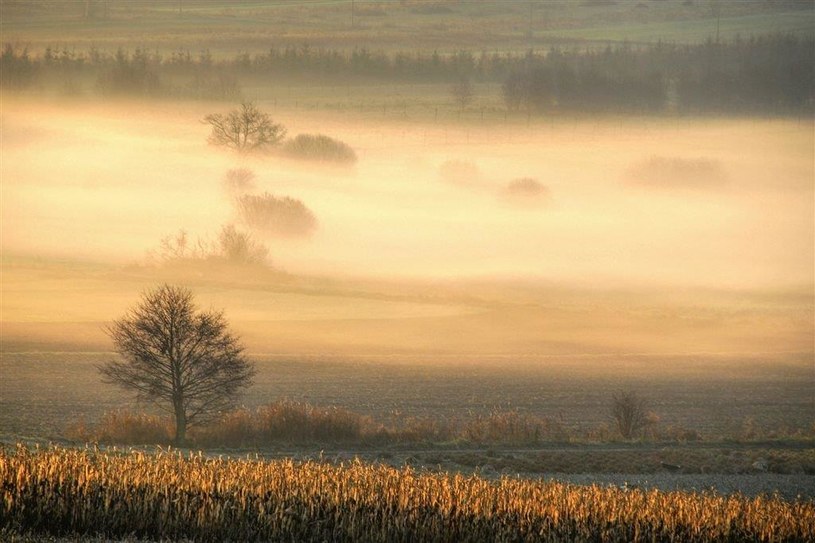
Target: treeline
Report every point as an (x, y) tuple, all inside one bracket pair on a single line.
[(768, 74), (140, 73), (771, 74)]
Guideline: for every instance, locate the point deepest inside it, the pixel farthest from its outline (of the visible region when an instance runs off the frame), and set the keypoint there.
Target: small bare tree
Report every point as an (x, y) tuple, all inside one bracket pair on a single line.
[(630, 413), (462, 91), (245, 129), (183, 360)]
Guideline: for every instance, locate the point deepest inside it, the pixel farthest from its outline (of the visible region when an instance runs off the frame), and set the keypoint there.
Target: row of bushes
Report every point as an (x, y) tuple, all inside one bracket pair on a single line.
[(288, 422)]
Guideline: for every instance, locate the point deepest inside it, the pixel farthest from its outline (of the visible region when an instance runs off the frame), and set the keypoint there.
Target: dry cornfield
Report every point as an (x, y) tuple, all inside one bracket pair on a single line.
[(168, 495)]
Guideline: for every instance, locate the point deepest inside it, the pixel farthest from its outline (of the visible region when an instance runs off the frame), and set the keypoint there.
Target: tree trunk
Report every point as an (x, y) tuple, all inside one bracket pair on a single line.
[(180, 426)]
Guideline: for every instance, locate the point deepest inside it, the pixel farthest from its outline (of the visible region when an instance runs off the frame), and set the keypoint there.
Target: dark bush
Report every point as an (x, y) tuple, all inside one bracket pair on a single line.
[(319, 148), (527, 188), (124, 428), (278, 216)]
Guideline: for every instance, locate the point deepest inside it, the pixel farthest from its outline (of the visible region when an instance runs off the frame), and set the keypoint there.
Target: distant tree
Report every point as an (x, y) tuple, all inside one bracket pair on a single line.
[(629, 411), (181, 359), (245, 129), (462, 91)]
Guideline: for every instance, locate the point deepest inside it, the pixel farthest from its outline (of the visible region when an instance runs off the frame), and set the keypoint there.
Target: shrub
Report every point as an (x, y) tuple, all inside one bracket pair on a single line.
[(319, 148), (286, 421), (233, 429), (527, 188), (239, 247), (280, 216), (423, 429), (294, 421), (507, 427), (124, 428)]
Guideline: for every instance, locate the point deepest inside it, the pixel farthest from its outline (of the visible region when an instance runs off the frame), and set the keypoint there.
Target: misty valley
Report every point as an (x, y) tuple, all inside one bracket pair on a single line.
[(416, 270)]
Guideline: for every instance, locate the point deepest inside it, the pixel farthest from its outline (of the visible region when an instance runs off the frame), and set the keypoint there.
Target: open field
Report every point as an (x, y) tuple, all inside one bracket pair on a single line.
[(719, 397), (227, 28)]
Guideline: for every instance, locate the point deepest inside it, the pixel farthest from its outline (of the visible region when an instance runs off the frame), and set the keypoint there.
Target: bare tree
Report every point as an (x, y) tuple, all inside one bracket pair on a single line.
[(181, 359), (462, 91), (629, 411), (245, 129)]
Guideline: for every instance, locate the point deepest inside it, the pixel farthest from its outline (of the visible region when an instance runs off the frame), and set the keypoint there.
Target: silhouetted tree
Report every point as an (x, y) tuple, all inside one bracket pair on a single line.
[(629, 412), (184, 360), (245, 129)]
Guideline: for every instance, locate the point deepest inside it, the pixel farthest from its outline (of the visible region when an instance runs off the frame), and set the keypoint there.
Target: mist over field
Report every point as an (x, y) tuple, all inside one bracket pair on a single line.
[(652, 235), (661, 202), (507, 239)]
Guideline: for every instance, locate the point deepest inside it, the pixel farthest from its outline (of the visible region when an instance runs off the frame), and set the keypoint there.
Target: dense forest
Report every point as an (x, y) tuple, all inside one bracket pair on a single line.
[(772, 74)]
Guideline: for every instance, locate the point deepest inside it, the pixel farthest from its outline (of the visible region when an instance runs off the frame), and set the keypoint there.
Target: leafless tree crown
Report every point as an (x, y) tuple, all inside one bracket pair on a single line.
[(629, 411), (183, 360), (244, 129)]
